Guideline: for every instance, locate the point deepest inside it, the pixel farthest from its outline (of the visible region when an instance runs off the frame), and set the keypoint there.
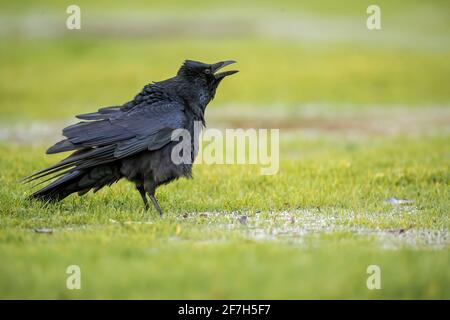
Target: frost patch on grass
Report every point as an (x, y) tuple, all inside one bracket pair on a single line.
[(308, 226)]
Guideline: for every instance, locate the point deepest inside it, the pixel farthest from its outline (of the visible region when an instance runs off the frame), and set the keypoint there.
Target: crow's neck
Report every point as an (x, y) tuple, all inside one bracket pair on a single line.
[(196, 98)]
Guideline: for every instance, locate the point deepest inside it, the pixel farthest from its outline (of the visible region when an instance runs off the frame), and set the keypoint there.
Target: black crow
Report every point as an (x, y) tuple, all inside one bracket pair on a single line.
[(134, 141)]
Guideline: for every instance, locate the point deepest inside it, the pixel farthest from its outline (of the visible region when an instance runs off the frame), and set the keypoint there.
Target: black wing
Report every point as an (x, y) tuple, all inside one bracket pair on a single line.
[(147, 127), (102, 114), (150, 94)]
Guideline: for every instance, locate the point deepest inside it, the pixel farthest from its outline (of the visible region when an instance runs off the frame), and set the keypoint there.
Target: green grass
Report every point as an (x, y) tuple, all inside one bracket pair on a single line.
[(185, 269), (81, 75), (326, 173), (124, 252), (314, 228)]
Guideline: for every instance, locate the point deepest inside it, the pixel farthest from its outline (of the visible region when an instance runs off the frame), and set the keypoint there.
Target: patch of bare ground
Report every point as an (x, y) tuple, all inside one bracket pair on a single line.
[(365, 122), (304, 227), (305, 120)]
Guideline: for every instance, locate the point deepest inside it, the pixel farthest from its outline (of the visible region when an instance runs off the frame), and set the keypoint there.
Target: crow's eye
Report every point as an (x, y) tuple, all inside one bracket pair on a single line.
[(207, 71)]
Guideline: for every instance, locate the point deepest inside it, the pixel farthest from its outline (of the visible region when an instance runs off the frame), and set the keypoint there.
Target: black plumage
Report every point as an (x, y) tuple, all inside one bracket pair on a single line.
[(133, 141)]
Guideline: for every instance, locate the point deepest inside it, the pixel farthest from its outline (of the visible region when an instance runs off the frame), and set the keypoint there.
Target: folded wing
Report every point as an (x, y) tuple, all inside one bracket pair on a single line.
[(109, 138)]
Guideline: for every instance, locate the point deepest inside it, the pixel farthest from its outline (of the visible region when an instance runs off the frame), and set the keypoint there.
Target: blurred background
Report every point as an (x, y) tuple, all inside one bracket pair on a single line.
[(364, 123), (301, 62)]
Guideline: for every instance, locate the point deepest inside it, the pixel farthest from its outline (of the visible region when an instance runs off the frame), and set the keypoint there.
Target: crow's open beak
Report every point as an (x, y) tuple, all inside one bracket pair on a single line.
[(219, 65)]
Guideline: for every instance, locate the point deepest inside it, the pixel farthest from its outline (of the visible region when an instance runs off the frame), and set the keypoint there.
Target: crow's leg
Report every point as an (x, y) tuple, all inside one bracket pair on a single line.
[(144, 196), (156, 204), (150, 188)]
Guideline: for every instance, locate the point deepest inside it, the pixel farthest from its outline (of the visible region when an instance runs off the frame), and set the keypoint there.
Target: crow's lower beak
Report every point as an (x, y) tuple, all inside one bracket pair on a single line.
[(219, 65)]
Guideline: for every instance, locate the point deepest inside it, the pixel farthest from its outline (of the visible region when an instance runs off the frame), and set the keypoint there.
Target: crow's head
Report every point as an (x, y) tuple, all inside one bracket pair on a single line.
[(205, 77)]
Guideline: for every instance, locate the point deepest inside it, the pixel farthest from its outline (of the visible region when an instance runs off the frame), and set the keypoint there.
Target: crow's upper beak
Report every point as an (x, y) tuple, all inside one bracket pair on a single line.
[(219, 65)]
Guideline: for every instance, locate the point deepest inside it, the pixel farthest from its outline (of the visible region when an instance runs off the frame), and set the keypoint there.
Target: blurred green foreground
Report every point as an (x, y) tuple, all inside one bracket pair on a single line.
[(364, 122)]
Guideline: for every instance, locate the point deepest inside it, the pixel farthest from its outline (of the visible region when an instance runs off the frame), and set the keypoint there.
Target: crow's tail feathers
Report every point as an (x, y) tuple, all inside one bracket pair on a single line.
[(80, 181), (59, 189), (80, 172)]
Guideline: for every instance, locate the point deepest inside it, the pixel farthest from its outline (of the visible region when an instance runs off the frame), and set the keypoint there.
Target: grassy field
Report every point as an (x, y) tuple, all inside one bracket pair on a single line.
[(363, 118), (311, 230)]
